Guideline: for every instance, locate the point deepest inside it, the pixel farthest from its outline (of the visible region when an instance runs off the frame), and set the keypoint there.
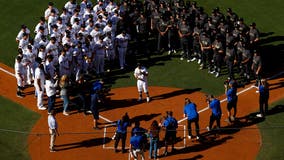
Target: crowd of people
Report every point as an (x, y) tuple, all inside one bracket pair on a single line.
[(86, 37)]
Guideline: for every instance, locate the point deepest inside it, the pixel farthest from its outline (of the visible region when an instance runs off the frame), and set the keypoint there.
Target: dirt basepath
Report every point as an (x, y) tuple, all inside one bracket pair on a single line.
[(79, 141)]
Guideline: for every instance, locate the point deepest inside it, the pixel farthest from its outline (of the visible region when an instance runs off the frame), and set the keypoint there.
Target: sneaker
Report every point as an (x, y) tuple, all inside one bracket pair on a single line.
[(181, 58), (89, 112), (121, 68), (212, 72), (148, 99), (165, 153), (52, 150), (208, 129), (201, 67), (199, 61), (189, 137), (139, 99), (20, 96), (193, 59), (188, 60), (41, 108), (217, 74), (259, 115), (65, 113), (169, 52), (197, 137), (174, 51)]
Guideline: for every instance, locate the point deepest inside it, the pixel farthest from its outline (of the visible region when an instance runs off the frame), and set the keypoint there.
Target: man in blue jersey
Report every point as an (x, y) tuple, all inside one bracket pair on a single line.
[(232, 99), (215, 106), (192, 117), (121, 132), (170, 124), (136, 146)]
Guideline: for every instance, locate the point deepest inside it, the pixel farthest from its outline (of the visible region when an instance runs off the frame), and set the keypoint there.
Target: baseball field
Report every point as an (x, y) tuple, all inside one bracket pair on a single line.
[(24, 130)]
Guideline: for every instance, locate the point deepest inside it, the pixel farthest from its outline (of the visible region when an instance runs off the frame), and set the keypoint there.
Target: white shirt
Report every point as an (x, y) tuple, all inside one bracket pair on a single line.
[(70, 7), (23, 44), (138, 73), (20, 34), (39, 75), (122, 41), (19, 70), (50, 88), (52, 124)]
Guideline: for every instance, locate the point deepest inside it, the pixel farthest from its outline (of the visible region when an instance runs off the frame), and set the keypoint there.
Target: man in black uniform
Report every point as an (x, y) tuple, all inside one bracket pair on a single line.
[(162, 36), (257, 67), (206, 50), (218, 52), (253, 36), (230, 59), (184, 34), (245, 63)]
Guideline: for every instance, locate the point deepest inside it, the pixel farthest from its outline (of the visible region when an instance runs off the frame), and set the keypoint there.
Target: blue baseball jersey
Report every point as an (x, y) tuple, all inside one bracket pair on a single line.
[(122, 126), (136, 141), (215, 107), (190, 111), (231, 94), (170, 123), (264, 92)]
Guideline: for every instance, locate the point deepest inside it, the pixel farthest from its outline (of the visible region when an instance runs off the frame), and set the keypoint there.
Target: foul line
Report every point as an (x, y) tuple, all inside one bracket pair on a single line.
[(11, 74)]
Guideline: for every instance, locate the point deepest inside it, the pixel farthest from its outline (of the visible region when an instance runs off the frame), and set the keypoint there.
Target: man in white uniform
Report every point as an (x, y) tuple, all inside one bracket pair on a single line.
[(39, 85), (141, 75), (122, 43), (19, 73)]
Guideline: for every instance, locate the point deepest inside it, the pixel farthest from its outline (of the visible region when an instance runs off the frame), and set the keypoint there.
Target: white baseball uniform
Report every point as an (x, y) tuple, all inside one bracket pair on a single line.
[(141, 75), (39, 76)]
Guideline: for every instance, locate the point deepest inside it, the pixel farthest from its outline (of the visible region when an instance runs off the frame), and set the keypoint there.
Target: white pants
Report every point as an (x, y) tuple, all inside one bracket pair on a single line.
[(136, 152), (39, 95), (100, 63), (122, 54), (142, 85), (20, 81)]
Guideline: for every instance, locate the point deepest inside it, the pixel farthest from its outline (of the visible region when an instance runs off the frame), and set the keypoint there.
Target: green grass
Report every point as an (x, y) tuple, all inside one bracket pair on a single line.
[(272, 134), (165, 70), (15, 117)]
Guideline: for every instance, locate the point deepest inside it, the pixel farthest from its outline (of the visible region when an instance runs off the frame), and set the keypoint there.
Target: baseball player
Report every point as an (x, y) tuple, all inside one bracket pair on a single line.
[(100, 51), (232, 99), (141, 75), (122, 43), (39, 85), (19, 73)]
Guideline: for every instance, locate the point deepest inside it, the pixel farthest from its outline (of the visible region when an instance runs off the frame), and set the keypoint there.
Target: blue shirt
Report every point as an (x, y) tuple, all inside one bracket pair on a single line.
[(121, 128), (136, 142), (231, 94), (170, 123), (190, 111), (264, 92), (138, 131), (215, 107)]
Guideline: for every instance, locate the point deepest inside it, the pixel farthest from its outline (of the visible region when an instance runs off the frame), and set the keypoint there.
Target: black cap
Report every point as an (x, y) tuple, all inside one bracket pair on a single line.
[(50, 3)]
